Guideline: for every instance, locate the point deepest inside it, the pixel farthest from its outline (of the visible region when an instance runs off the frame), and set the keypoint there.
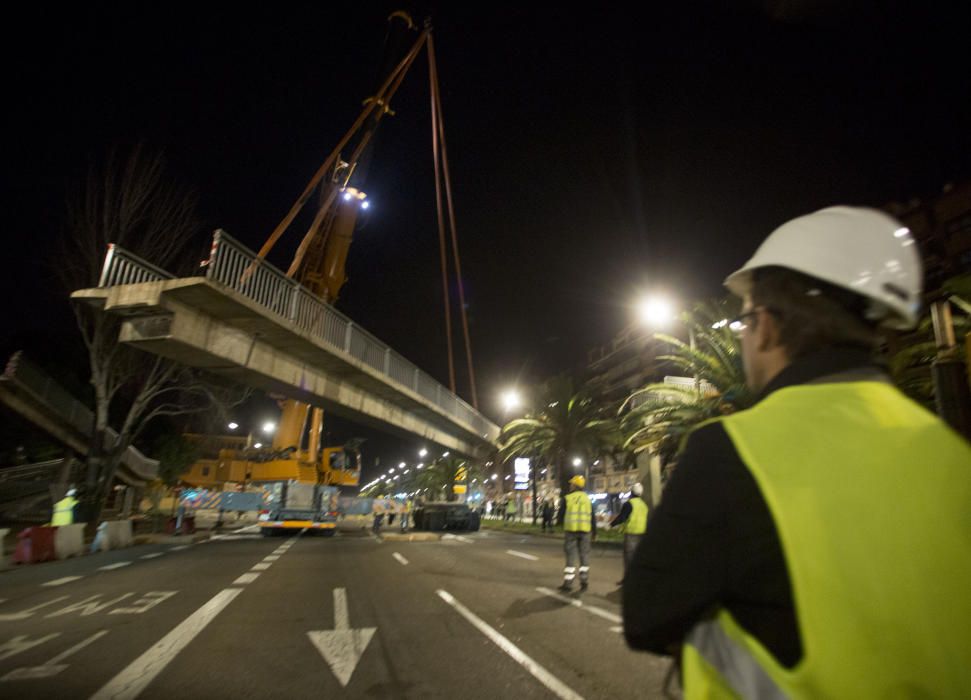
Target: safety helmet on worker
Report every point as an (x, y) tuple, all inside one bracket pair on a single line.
[(637, 489), (862, 250), (578, 481)]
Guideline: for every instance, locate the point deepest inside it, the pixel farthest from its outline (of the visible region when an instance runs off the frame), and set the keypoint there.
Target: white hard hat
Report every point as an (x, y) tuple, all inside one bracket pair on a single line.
[(72, 492), (865, 251), (637, 489)]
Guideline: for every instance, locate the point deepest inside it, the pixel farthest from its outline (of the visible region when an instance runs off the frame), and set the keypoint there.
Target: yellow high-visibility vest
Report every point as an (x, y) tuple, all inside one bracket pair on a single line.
[(64, 511), (870, 495), (637, 522), (578, 512)]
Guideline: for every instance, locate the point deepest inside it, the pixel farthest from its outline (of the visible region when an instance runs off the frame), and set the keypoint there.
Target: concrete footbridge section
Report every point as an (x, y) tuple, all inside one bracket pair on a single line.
[(247, 320)]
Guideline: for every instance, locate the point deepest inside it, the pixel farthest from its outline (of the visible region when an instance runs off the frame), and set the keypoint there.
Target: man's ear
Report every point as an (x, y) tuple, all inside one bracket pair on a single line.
[(768, 334)]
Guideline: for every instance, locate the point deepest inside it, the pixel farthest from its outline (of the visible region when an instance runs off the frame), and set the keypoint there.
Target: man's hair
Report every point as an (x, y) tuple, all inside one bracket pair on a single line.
[(813, 314)]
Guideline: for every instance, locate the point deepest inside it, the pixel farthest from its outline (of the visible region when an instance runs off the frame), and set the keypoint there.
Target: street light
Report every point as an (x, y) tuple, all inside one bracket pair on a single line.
[(422, 452), (577, 461), (655, 311), (511, 400), (258, 445), (233, 426), (269, 427)]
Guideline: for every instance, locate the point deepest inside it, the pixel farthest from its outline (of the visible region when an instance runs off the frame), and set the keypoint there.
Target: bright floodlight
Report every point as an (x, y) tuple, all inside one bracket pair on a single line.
[(233, 426), (347, 196), (511, 400), (655, 311), (577, 462), (365, 204), (269, 427)]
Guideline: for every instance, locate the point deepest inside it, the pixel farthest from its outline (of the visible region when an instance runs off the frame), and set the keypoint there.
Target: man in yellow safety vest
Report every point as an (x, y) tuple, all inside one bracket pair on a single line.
[(579, 528), (64, 509), (633, 518), (815, 545)]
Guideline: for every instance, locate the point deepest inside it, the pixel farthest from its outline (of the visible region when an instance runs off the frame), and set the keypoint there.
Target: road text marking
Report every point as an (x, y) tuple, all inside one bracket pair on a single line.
[(400, 558), (52, 667), (522, 554), (555, 685), (592, 609), (61, 581), (30, 611), (139, 673)]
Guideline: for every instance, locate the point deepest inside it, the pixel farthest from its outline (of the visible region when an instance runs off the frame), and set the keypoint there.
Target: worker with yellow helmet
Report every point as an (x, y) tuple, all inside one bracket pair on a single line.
[(815, 545), (579, 529)]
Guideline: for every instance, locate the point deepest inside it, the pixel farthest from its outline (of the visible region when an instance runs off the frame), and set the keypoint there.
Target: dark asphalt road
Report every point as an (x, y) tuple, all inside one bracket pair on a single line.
[(248, 617)]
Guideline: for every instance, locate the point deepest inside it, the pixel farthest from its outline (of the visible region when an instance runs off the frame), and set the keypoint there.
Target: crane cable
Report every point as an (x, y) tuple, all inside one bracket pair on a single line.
[(383, 100), (440, 121), (328, 164), (441, 219)]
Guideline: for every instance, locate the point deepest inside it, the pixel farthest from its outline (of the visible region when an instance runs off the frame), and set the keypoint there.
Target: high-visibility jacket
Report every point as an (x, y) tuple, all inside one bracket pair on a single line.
[(637, 521), (870, 495), (64, 511), (578, 512)]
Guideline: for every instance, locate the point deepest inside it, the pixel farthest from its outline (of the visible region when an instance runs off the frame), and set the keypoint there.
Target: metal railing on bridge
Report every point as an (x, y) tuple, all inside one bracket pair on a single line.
[(237, 267)]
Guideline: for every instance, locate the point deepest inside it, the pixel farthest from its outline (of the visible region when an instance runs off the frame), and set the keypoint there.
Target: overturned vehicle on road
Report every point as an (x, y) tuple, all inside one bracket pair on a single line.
[(445, 516)]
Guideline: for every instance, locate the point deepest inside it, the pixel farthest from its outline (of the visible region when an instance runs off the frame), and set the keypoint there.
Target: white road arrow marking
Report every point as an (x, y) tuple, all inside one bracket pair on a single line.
[(342, 647)]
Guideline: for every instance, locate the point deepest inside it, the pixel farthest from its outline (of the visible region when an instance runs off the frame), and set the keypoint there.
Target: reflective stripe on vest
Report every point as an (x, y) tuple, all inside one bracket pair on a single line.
[(578, 512), (637, 522), (869, 493)]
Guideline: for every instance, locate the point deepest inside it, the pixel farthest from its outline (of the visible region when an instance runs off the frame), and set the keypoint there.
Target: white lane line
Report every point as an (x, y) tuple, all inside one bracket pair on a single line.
[(246, 578), (592, 609), (400, 558), (271, 557), (61, 581), (139, 673), (262, 566), (522, 554), (152, 556), (560, 689), (180, 547), (114, 566)]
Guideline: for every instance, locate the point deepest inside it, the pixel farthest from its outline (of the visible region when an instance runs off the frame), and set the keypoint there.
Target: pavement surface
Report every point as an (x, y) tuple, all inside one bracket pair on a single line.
[(242, 616)]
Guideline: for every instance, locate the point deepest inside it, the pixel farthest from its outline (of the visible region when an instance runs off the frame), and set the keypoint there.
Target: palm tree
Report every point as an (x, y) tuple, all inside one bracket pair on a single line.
[(567, 423), (913, 354), (658, 417)]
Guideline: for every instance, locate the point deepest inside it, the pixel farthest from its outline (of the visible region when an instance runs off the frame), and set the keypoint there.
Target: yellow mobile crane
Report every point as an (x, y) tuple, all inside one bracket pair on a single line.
[(319, 263)]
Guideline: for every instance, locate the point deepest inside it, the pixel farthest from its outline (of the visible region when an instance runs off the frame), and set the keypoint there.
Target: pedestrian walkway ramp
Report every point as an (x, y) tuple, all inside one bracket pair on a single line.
[(247, 320), (35, 395)]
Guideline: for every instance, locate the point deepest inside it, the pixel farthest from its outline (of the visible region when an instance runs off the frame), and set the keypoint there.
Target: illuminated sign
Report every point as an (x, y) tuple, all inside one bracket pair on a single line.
[(521, 477)]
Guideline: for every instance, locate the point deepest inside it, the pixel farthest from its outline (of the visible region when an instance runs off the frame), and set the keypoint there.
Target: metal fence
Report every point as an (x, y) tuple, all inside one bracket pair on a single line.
[(122, 267), (237, 267)]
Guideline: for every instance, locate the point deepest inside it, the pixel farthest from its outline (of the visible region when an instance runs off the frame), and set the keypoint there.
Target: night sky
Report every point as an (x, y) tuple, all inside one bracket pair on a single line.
[(595, 153)]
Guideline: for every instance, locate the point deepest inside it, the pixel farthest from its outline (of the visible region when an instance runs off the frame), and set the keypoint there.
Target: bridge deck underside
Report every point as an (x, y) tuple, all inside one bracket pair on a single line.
[(204, 324)]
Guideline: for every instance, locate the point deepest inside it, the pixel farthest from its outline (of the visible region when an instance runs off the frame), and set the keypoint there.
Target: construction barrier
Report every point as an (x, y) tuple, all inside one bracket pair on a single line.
[(69, 540), (34, 544), (113, 534)]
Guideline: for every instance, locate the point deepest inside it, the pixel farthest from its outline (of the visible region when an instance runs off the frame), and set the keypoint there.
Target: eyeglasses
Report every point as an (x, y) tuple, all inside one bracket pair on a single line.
[(740, 322)]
